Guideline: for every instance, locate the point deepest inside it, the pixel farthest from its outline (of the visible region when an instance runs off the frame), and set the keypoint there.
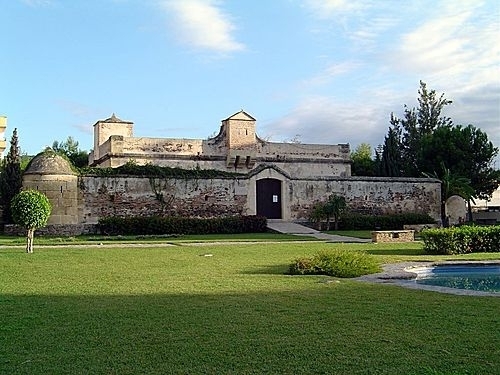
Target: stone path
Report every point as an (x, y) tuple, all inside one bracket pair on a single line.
[(301, 230)]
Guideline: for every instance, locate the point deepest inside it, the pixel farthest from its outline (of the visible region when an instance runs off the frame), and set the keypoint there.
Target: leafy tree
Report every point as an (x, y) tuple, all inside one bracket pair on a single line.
[(362, 162), (334, 207), (30, 209), (468, 153), (10, 177), (317, 214), (70, 149)]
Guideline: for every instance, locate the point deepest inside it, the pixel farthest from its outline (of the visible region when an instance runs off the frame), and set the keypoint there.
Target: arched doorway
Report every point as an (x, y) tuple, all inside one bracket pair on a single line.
[(269, 198)]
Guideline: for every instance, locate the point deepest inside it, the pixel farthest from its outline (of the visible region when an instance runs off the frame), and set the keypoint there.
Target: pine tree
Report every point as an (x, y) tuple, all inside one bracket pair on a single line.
[(10, 177), (390, 163)]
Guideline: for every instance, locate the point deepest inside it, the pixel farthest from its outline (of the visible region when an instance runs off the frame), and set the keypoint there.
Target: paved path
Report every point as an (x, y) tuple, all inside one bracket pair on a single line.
[(301, 230)]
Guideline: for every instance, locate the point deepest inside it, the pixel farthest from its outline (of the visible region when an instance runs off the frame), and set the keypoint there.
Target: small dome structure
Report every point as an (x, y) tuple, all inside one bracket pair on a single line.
[(49, 163), (52, 175)]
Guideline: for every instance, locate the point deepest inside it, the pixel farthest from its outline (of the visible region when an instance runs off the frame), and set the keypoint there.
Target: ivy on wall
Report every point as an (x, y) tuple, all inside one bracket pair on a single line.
[(149, 170)]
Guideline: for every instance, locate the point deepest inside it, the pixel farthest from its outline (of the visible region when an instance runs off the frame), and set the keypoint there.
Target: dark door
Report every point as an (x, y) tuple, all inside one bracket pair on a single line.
[(269, 198)]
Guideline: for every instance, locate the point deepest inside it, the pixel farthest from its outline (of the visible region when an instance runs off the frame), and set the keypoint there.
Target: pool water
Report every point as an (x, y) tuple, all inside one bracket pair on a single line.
[(485, 278)]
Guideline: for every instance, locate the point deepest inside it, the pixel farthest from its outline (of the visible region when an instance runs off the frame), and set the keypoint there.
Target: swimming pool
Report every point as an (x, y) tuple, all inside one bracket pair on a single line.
[(480, 277)]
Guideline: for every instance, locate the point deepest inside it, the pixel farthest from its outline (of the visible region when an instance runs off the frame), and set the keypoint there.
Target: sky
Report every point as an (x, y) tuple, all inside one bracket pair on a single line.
[(314, 71)]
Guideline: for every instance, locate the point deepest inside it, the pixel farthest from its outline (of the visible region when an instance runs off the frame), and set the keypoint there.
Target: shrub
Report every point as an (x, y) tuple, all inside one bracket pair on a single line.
[(337, 263), (355, 221), (31, 210), (155, 225), (462, 240)]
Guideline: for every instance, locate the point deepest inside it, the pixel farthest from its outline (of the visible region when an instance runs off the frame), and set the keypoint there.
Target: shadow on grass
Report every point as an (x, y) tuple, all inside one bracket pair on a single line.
[(276, 269), (334, 328)]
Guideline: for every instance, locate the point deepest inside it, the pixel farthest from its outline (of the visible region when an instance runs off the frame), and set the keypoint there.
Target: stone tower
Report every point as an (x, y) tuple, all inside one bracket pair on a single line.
[(51, 174), (241, 140), (104, 129)]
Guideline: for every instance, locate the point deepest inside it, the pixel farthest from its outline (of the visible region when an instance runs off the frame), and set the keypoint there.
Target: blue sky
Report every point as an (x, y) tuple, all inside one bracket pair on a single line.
[(321, 71)]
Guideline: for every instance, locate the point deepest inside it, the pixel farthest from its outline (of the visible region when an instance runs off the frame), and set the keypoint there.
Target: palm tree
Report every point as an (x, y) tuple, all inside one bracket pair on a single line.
[(452, 184), (335, 206)]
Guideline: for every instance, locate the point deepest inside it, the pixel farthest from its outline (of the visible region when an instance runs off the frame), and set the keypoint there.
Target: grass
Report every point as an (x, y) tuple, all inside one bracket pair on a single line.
[(92, 239), (367, 234), (230, 309)]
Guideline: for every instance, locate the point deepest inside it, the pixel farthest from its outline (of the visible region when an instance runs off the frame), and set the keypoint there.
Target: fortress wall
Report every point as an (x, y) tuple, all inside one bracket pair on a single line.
[(300, 151), (162, 146), (314, 170), (368, 195), (139, 196)]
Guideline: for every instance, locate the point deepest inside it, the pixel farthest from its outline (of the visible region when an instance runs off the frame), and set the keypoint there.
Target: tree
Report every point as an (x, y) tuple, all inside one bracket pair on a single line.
[(415, 124), (10, 177), (30, 209), (362, 162), (334, 206), (317, 214), (466, 152), (69, 148), (451, 184), (389, 162)]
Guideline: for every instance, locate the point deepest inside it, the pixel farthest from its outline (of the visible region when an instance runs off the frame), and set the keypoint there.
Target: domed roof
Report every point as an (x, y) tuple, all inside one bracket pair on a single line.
[(48, 162)]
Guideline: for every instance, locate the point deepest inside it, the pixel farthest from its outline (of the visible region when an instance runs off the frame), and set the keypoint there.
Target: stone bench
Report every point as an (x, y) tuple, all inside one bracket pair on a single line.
[(393, 235)]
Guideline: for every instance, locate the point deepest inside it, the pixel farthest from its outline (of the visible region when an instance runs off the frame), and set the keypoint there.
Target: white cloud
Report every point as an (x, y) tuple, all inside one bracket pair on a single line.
[(333, 122), (331, 72), (202, 24), (457, 46)]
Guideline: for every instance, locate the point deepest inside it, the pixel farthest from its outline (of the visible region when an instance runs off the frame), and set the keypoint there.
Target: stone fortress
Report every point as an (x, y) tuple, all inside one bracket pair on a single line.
[(236, 148), (276, 180)]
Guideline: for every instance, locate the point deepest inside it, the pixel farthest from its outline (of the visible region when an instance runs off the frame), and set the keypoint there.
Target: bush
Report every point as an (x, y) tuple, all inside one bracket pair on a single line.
[(155, 225), (355, 221), (462, 240), (337, 263)]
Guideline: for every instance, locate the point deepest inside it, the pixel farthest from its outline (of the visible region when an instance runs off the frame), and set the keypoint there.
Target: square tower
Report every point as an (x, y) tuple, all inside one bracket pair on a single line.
[(104, 129), (240, 139)]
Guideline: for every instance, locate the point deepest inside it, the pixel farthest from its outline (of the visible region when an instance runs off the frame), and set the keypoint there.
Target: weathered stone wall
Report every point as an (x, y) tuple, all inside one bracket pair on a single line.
[(151, 146), (368, 195), (140, 196)]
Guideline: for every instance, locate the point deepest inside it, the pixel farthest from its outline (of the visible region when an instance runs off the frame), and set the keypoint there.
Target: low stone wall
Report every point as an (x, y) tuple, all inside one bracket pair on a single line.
[(393, 236)]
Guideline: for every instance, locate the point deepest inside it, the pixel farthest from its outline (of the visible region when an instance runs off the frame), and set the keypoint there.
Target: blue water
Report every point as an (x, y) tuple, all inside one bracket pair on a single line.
[(485, 278)]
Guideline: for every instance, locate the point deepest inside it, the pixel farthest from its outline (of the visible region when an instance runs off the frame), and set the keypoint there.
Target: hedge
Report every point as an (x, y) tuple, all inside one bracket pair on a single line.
[(154, 225), (354, 221), (462, 240)]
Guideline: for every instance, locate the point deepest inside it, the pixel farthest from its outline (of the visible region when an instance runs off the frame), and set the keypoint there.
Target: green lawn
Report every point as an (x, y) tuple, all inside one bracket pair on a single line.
[(93, 239), (230, 309)]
